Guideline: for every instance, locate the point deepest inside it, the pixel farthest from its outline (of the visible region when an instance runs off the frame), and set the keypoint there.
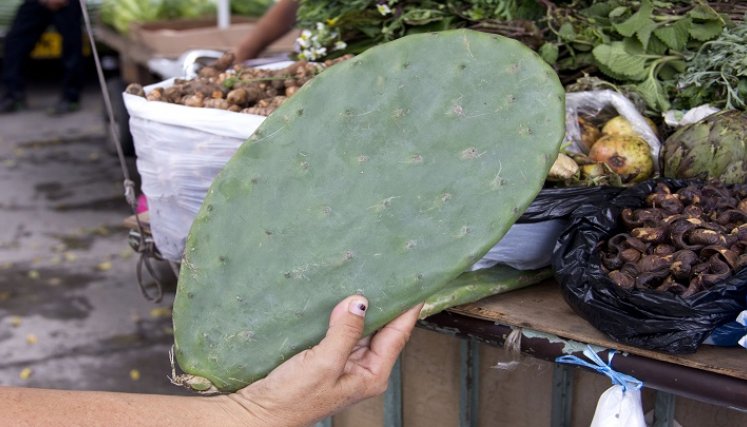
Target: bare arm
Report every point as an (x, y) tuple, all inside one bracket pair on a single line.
[(274, 24), (37, 407), (341, 370)]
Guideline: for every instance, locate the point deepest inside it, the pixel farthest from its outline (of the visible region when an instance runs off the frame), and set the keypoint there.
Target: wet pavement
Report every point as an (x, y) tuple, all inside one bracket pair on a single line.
[(71, 312)]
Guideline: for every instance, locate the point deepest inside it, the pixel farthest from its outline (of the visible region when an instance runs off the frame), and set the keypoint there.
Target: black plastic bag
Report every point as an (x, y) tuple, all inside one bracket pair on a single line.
[(558, 203), (648, 319), (528, 244)]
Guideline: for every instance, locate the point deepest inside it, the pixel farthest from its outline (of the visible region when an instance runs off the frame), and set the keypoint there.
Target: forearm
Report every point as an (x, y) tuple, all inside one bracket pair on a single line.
[(32, 407), (274, 24)]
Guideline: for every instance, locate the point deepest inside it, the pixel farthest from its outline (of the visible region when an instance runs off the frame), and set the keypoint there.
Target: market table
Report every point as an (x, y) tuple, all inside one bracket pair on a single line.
[(550, 329)]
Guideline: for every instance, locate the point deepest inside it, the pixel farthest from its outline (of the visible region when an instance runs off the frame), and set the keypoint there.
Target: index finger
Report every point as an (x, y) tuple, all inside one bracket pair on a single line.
[(388, 342)]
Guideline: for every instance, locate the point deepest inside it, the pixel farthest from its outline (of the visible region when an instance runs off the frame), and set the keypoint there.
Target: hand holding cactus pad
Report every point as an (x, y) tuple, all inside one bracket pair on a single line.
[(387, 175)]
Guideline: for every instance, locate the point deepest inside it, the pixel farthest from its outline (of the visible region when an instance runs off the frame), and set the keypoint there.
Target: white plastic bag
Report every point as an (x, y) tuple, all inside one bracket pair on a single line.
[(525, 246), (179, 150), (618, 407)]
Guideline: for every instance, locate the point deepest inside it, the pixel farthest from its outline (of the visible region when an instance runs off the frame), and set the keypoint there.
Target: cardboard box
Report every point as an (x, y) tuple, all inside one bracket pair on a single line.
[(172, 38)]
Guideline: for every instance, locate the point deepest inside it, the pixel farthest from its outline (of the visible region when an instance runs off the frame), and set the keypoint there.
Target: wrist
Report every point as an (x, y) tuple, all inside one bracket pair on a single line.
[(241, 409)]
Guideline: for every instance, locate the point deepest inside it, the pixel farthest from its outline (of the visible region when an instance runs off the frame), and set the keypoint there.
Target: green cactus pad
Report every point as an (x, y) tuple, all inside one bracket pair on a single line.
[(387, 175), (474, 285)]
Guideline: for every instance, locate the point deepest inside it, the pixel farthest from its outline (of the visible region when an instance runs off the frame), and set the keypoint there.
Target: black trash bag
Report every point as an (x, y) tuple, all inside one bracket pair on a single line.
[(557, 203), (648, 319)]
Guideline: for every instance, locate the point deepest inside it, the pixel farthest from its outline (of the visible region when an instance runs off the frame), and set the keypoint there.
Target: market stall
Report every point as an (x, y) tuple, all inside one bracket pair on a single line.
[(652, 292)]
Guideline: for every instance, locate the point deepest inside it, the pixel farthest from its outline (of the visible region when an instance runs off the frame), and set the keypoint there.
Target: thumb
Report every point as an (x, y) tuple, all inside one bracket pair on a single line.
[(345, 330)]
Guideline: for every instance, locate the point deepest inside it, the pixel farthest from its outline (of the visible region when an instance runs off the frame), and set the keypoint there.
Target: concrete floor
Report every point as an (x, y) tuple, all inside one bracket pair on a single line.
[(71, 312)]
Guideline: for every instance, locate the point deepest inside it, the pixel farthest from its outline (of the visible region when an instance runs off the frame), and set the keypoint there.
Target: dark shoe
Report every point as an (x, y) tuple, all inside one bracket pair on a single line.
[(10, 104), (64, 107)]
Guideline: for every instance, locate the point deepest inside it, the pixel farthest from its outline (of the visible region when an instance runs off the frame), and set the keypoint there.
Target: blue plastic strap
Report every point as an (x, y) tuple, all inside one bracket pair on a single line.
[(624, 380)]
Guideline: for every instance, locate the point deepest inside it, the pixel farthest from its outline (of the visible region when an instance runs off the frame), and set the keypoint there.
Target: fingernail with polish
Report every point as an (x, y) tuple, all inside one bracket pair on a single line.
[(358, 307)]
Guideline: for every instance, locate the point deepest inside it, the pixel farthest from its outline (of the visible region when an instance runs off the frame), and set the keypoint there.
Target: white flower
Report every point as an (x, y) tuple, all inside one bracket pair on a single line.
[(320, 52), (305, 34), (320, 26), (383, 9), (340, 45), (304, 43)]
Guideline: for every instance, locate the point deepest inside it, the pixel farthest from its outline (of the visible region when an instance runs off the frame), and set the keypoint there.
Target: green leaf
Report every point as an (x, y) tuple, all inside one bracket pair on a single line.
[(656, 47), (653, 93), (678, 64), (549, 52), (581, 47), (675, 36), (644, 33), (618, 11), (628, 27), (705, 13), (616, 62), (575, 62), (633, 46), (566, 32), (706, 30), (599, 10)]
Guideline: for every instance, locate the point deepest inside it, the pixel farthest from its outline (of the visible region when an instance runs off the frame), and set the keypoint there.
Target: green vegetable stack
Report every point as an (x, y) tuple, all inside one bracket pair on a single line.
[(121, 14), (387, 175)]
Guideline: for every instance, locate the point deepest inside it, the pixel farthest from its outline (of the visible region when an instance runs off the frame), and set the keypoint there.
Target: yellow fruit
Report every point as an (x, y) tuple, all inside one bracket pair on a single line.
[(593, 170), (589, 134), (628, 156), (619, 125)]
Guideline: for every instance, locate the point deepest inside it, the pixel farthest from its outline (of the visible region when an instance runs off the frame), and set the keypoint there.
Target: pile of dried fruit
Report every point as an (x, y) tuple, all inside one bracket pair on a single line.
[(237, 88), (681, 242)]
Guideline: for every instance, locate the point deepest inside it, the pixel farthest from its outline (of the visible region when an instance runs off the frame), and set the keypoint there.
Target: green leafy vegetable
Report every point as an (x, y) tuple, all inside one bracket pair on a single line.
[(717, 72)]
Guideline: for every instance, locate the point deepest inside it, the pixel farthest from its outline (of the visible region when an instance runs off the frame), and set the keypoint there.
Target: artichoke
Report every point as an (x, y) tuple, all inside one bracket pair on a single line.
[(713, 148)]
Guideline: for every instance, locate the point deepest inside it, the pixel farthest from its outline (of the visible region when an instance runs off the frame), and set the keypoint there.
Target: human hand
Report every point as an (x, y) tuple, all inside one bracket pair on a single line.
[(341, 370), (54, 4)]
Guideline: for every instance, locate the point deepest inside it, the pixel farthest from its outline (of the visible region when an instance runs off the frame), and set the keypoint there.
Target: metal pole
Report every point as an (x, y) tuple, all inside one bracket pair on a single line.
[(393, 397), (327, 422), (705, 386), (562, 396), (224, 14), (664, 409), (469, 397)]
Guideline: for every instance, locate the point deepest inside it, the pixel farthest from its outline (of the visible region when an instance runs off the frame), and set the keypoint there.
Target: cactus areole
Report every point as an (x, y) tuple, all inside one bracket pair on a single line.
[(387, 175)]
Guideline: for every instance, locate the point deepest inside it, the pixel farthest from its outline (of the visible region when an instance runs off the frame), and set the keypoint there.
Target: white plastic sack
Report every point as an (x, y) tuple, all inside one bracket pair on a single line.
[(619, 408), (526, 246), (590, 103), (179, 151)]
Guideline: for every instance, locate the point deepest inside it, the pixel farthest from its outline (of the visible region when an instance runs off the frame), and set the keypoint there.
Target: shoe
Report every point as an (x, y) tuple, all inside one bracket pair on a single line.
[(9, 104), (64, 107)]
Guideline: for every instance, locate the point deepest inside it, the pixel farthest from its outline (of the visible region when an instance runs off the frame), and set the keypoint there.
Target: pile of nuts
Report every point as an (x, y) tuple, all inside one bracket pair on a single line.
[(682, 242), (237, 88)]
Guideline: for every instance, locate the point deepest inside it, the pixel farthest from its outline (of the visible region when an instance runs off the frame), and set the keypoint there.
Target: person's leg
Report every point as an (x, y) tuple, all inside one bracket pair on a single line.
[(28, 25), (68, 22)]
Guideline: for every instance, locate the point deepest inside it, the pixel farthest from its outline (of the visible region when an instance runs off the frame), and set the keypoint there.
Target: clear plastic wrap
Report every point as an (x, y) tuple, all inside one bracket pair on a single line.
[(591, 103)]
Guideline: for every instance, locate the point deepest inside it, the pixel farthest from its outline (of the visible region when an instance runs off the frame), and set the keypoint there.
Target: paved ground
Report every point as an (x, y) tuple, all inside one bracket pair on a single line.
[(71, 313)]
